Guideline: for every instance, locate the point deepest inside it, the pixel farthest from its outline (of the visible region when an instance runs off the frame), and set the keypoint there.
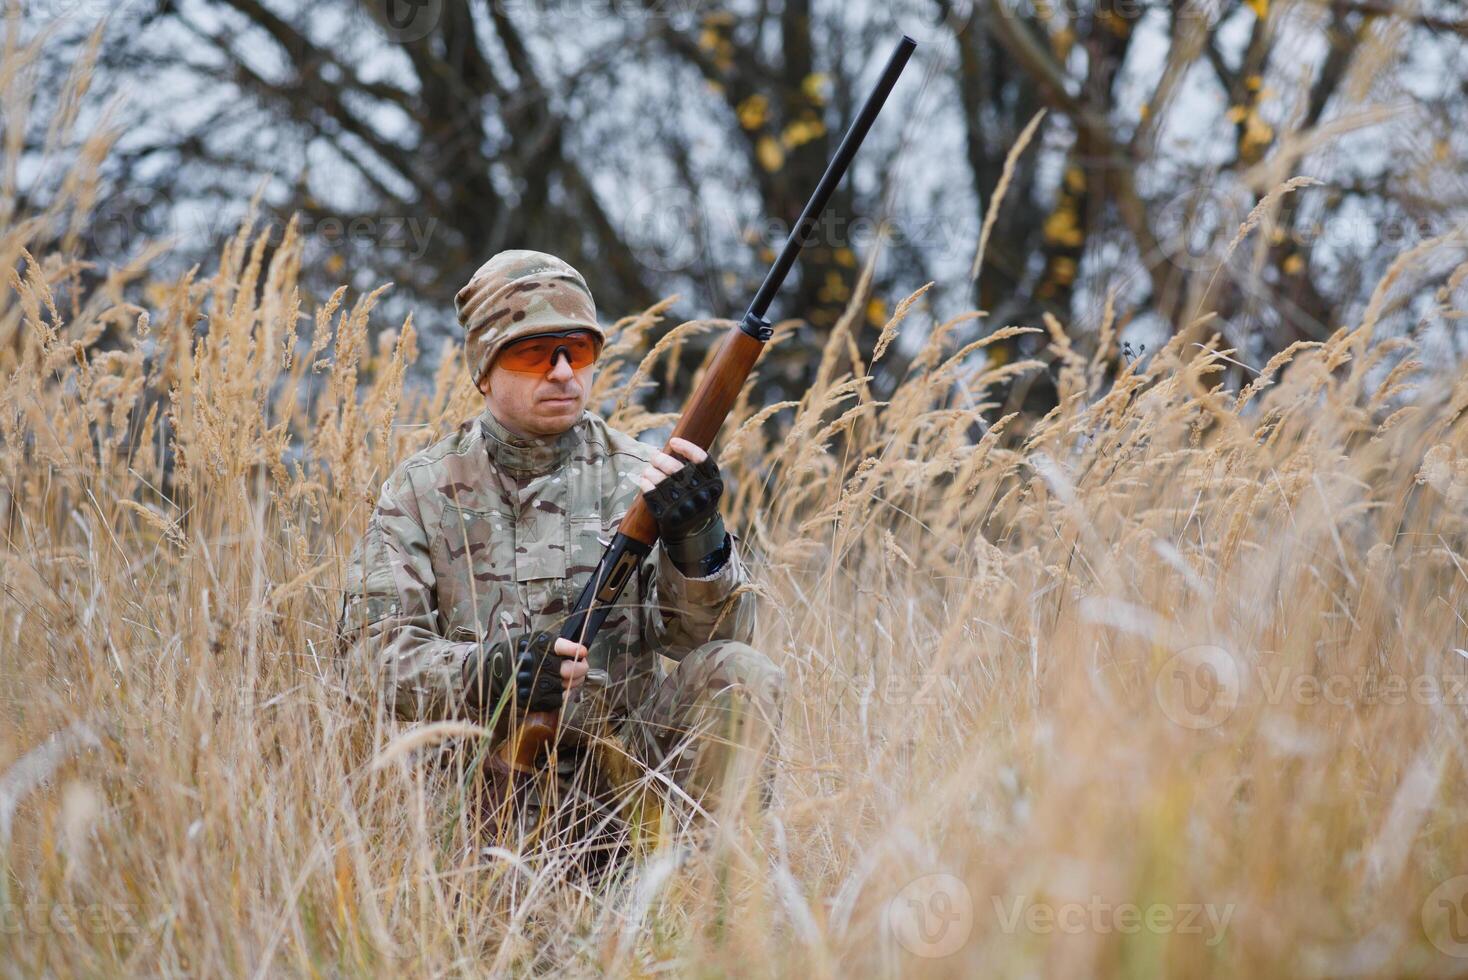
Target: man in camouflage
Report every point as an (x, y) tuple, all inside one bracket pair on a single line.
[(487, 538)]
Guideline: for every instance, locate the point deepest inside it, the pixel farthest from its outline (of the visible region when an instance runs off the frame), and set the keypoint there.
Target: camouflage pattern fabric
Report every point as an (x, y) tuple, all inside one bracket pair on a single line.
[(484, 536), (723, 695), (712, 718), (517, 294)]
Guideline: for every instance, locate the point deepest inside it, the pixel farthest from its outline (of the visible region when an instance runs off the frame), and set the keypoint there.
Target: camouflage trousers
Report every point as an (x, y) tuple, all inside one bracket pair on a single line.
[(705, 726)]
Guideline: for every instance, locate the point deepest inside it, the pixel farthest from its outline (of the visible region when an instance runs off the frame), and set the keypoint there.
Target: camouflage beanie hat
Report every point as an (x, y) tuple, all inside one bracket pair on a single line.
[(519, 294)]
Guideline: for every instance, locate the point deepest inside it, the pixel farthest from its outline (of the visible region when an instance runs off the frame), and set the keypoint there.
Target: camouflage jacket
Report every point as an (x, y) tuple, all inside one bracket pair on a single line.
[(485, 536)]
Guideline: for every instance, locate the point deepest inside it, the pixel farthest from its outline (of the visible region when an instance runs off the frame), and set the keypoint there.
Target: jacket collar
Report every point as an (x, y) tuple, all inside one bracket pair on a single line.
[(529, 456)]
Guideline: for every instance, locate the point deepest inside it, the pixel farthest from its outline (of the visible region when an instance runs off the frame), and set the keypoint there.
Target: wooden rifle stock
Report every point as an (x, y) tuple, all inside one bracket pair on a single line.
[(700, 422)]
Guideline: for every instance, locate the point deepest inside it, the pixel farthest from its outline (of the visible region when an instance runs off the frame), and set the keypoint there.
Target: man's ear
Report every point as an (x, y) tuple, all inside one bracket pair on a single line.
[(483, 385)]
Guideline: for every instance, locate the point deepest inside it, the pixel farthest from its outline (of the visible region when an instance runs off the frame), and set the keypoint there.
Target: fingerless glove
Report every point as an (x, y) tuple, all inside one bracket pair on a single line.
[(530, 662), (686, 508)]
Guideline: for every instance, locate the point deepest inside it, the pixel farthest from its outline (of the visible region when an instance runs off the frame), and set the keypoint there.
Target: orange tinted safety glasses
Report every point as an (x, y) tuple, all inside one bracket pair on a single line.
[(539, 354)]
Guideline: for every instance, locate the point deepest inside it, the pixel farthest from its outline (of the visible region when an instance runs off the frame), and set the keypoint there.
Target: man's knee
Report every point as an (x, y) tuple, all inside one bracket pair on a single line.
[(735, 694), (735, 672)]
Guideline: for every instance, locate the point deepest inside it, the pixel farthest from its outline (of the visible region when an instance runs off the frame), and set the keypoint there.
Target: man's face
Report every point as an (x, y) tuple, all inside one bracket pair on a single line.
[(543, 395)]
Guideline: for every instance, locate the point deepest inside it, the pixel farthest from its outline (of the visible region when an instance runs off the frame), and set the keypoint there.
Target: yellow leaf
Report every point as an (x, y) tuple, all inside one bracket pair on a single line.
[(877, 312), (1253, 83), (846, 257), (752, 111), (1257, 132), (1236, 113), (1062, 41), (836, 288), (802, 131), (1064, 270), (1115, 23), (770, 156), (1075, 179), (1260, 8), (1294, 265), (335, 263), (1061, 228), (814, 87), (708, 39), (1145, 113)]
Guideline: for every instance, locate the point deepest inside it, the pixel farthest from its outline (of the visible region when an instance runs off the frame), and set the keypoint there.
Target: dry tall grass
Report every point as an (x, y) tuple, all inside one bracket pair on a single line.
[(1195, 650)]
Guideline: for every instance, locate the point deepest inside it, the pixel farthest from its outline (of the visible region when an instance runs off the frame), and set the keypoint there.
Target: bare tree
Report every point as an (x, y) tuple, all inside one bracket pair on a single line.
[(664, 146)]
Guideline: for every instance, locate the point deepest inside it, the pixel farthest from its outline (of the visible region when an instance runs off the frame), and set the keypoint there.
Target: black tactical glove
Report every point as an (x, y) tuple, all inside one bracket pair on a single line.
[(538, 673), (686, 508), (530, 663), (487, 672)]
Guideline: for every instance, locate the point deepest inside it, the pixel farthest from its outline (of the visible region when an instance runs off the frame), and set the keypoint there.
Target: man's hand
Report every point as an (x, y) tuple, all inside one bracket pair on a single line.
[(573, 663), (664, 465), (684, 501), (541, 666), (546, 667)]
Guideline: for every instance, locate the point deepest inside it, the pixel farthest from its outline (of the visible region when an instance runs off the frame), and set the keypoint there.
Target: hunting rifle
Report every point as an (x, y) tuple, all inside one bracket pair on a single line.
[(699, 423)]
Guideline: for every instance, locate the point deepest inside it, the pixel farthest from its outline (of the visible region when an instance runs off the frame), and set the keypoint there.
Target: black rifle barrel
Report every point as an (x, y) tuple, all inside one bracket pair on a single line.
[(850, 143)]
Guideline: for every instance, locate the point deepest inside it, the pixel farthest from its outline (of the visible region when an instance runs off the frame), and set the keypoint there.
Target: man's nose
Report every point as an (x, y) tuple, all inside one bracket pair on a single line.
[(561, 366)]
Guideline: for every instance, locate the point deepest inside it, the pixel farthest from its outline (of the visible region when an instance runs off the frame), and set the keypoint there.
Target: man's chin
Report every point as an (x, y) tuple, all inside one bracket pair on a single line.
[(559, 415)]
